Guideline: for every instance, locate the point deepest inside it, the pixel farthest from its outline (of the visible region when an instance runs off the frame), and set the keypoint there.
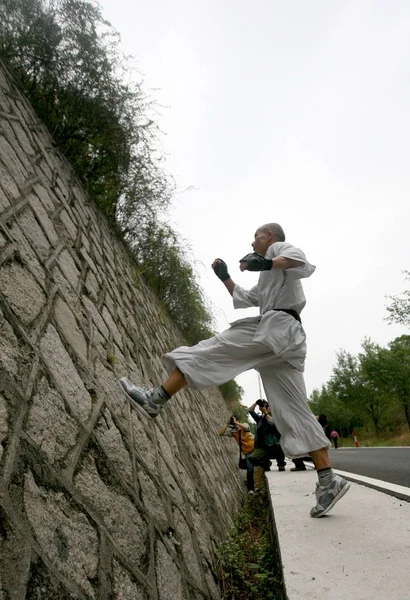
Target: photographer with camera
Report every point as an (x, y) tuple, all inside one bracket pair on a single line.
[(245, 440), (267, 438)]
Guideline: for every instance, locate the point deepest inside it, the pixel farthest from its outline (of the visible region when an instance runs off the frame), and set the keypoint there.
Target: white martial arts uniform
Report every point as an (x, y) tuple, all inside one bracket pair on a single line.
[(273, 343)]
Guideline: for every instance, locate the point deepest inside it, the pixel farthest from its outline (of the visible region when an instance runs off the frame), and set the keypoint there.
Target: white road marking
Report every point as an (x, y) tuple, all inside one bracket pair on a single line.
[(384, 485)]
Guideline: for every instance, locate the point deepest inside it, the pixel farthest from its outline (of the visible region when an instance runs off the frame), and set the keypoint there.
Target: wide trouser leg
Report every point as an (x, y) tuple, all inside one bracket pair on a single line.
[(220, 358), (286, 393)]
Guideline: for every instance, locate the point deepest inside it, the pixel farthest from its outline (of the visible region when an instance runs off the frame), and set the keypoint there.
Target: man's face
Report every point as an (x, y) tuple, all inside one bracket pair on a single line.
[(263, 239)]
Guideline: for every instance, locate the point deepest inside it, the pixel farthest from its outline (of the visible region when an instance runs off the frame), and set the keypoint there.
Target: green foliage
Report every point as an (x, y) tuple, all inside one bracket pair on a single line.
[(370, 390), (168, 269), (248, 562), (399, 309), (232, 393), (67, 60)]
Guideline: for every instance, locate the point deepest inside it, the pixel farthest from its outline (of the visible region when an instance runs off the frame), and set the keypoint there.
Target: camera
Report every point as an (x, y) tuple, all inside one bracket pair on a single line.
[(232, 421), (263, 404)]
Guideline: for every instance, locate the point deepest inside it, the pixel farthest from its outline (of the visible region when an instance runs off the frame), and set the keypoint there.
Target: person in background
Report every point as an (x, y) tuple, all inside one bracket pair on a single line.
[(243, 436), (335, 438), (267, 437), (322, 419)]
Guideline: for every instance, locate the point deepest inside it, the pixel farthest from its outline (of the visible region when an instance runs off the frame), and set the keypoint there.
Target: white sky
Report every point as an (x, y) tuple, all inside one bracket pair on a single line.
[(295, 112)]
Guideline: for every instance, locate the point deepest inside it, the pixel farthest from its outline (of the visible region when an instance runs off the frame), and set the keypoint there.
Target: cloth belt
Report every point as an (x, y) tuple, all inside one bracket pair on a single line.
[(290, 312)]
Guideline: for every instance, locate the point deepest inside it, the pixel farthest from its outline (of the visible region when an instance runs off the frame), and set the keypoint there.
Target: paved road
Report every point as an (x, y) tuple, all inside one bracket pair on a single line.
[(388, 464)]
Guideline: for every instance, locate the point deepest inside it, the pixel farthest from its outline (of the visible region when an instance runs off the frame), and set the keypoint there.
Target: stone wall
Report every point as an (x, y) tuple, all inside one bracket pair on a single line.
[(97, 501)]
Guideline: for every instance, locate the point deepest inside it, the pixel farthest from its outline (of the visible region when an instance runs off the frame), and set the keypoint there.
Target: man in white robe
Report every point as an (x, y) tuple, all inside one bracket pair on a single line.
[(273, 343)]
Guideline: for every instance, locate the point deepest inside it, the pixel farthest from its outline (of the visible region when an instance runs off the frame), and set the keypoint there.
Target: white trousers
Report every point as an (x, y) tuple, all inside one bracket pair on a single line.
[(223, 357)]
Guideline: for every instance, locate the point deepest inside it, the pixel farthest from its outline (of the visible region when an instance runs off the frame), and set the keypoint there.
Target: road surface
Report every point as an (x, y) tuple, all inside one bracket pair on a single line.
[(387, 464)]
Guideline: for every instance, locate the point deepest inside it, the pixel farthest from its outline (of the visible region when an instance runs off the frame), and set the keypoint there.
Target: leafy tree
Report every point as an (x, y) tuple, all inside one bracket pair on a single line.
[(67, 59), (389, 371), (399, 309)]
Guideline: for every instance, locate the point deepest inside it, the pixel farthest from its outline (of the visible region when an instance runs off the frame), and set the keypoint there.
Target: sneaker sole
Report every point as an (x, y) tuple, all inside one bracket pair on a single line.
[(340, 495)]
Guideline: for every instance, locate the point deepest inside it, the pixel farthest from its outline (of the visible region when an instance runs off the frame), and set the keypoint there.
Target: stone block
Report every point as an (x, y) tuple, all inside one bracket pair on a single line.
[(9, 348), (121, 518), (48, 423), (69, 328), (169, 483), (43, 219), (64, 534), (12, 162), (34, 233), (115, 397), (145, 450), (8, 184), (27, 254), (112, 326), (169, 579), (21, 135), (188, 551), (63, 371), (4, 430), (110, 439), (152, 500), (4, 201), (96, 317), (46, 197), (92, 285), (124, 587), (69, 224), (69, 268), (167, 451), (24, 295)]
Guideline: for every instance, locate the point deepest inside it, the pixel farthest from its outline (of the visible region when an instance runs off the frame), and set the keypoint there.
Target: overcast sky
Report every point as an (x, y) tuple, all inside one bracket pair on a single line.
[(296, 112)]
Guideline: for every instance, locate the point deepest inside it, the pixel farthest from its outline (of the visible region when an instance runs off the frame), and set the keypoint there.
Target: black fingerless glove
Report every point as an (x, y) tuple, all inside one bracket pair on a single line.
[(257, 262), (221, 269)]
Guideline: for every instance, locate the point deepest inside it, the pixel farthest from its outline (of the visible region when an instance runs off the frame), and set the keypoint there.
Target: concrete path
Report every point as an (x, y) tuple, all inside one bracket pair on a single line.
[(360, 550)]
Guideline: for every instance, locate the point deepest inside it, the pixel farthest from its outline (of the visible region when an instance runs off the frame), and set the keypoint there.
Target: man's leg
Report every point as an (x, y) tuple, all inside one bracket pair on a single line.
[(299, 465), (301, 434), (207, 364), (258, 459), (250, 484), (280, 457), (175, 382)]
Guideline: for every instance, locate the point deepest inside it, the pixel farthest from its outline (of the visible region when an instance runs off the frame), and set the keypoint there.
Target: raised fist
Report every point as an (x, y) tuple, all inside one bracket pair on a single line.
[(221, 269)]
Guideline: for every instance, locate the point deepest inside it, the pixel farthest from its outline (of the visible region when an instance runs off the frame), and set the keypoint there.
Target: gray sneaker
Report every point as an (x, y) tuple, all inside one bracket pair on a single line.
[(150, 399), (326, 497)]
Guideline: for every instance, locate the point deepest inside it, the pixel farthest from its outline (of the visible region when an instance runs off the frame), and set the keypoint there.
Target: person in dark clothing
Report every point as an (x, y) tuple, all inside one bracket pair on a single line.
[(266, 438), (322, 419)]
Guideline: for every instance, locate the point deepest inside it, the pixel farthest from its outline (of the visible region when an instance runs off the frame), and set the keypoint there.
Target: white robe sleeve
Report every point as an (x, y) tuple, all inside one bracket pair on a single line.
[(245, 298), (288, 251)]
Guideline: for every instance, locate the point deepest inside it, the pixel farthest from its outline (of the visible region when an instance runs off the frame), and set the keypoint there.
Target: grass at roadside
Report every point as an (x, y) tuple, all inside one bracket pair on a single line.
[(249, 565)]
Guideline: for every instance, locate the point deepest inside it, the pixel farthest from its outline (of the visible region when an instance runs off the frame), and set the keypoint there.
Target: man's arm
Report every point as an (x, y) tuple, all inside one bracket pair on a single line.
[(254, 414), (229, 284), (256, 262), (224, 428), (286, 258), (281, 262)]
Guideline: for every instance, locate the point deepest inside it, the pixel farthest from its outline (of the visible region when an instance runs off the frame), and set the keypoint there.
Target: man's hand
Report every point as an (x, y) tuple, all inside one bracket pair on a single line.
[(255, 262), (221, 269)]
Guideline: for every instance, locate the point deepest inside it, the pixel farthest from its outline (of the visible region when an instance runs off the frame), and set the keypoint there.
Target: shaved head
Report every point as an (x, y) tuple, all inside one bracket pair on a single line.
[(275, 229)]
